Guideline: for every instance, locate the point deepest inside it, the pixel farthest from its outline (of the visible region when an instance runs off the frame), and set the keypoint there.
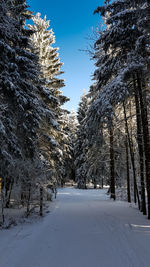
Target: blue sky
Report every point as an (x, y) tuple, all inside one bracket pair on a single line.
[(72, 23)]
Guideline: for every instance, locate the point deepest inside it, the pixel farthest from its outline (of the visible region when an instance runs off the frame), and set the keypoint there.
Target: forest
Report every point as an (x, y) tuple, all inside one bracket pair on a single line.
[(107, 142)]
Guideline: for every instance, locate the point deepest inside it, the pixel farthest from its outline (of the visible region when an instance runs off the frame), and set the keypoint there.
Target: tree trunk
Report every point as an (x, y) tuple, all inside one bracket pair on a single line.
[(28, 202), (41, 201), (128, 173), (112, 166), (136, 194), (140, 148), (2, 204), (94, 181), (146, 138), (9, 195)]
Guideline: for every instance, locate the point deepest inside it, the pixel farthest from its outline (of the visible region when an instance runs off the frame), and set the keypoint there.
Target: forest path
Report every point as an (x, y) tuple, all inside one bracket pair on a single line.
[(84, 229)]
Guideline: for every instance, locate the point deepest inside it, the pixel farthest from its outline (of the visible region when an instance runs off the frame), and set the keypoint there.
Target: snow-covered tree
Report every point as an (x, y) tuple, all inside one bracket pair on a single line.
[(73, 124), (43, 40), (22, 108), (67, 144), (122, 71), (81, 144), (19, 83)]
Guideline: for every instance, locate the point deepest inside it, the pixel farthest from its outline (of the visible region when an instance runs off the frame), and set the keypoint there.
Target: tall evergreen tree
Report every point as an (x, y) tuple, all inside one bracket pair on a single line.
[(43, 40), (81, 144), (73, 124), (19, 80), (122, 69), (24, 109)]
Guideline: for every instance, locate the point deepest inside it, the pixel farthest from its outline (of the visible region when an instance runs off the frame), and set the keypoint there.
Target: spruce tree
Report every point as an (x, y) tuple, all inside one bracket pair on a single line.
[(43, 39), (23, 108), (73, 124), (19, 80), (122, 61), (81, 144)]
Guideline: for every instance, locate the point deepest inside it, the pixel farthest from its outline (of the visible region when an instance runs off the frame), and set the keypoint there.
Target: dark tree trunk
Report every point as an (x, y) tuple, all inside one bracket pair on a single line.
[(112, 166), (140, 148), (41, 201), (28, 202), (7, 186), (146, 138), (2, 203), (9, 195), (128, 173), (136, 194), (94, 183)]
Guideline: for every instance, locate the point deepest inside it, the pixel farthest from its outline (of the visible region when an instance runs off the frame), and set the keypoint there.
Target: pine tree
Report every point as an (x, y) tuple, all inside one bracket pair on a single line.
[(73, 124), (19, 81), (23, 108), (81, 144), (121, 53), (43, 40), (68, 128), (136, 56)]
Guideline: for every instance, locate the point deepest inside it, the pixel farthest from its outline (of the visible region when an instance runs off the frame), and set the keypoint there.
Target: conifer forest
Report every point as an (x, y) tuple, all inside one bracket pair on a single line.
[(78, 181)]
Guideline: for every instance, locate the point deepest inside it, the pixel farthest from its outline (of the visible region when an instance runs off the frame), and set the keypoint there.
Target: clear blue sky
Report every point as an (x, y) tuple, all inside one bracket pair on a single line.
[(72, 23)]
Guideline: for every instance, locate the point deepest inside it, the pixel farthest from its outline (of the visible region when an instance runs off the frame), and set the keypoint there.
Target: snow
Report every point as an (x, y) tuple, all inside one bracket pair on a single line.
[(83, 228)]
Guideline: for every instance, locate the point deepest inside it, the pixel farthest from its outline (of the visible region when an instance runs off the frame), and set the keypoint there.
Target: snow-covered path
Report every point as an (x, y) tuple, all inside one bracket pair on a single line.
[(84, 229)]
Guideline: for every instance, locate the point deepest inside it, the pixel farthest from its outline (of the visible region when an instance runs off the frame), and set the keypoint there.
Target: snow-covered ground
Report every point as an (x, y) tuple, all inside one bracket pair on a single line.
[(83, 229)]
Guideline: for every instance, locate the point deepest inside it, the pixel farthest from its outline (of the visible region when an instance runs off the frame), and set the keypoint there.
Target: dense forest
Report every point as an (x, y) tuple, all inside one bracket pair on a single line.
[(43, 145)]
